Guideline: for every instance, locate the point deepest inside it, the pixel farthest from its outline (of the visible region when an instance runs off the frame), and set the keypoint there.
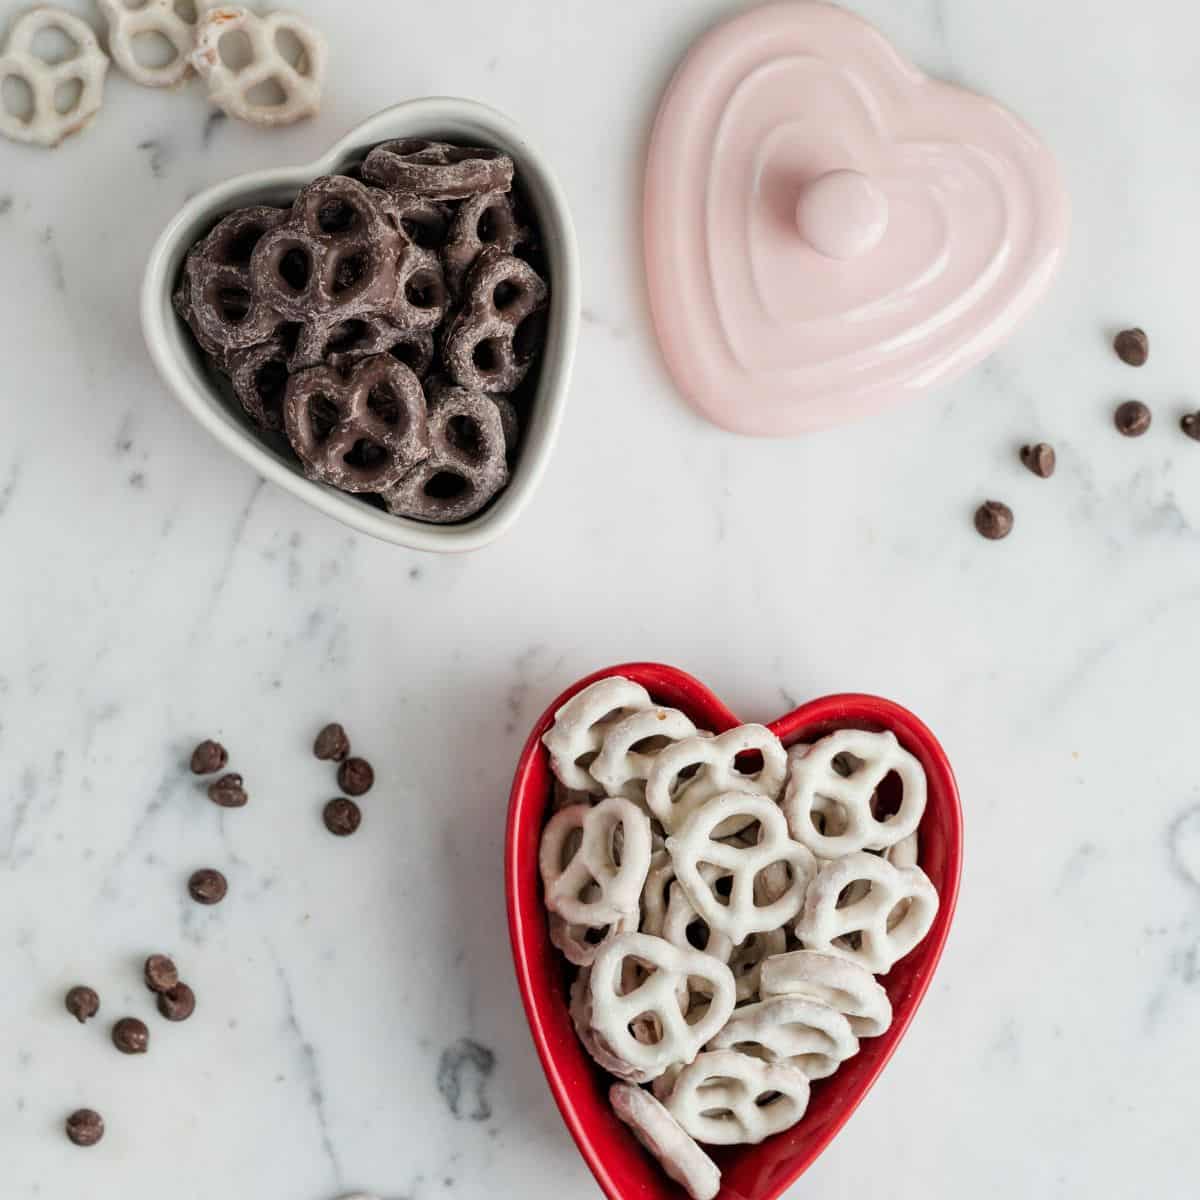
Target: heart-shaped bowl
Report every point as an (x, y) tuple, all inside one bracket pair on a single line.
[(180, 364), (580, 1088)]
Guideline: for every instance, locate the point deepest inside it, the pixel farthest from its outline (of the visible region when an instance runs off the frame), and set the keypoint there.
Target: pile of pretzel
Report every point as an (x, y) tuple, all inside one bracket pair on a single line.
[(727, 904), (382, 323)]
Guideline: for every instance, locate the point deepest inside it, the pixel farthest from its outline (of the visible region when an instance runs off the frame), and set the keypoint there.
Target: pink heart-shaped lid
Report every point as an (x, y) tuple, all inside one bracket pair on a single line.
[(829, 230), (623, 1170)]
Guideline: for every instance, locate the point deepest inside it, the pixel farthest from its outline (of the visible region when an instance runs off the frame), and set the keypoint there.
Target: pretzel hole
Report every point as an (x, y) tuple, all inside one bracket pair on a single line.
[(899, 911), (406, 146), (270, 384), (888, 797), (233, 304), (772, 882), (17, 98), (410, 354), (646, 1028), (336, 215), (66, 95), (235, 49), (347, 336), (350, 271), (464, 434), (487, 355), (650, 745), (366, 455), (766, 1099), (831, 819), (457, 154), (323, 416), (849, 941), (295, 268), (445, 485), (853, 892), (53, 45), (237, 249), (749, 762), (595, 934), (529, 337), (269, 93), (718, 1114), (153, 49), (506, 293), (424, 289), (426, 229), (495, 224), (384, 403), (291, 50)]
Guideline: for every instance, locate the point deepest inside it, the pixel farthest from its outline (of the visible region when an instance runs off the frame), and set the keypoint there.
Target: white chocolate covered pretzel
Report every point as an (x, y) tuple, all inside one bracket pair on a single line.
[(673, 793), (841, 984), (831, 786), (594, 861), (725, 1098), (740, 914), (876, 929), (581, 724), (631, 745), (667, 969), (665, 1139), (153, 19), (804, 1033), (45, 124), (232, 89)]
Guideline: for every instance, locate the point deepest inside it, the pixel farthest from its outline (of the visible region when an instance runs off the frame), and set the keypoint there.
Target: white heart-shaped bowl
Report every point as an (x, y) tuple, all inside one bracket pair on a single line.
[(179, 361)]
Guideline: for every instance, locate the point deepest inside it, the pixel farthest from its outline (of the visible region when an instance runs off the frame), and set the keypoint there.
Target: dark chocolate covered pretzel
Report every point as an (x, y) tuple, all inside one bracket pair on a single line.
[(438, 170)]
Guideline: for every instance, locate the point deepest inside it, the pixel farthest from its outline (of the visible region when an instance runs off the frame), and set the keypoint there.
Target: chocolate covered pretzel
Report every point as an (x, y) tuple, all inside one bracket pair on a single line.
[(259, 376), (467, 463), (359, 431), (218, 296), (336, 253), (438, 170), (488, 219), (339, 340), (490, 345)]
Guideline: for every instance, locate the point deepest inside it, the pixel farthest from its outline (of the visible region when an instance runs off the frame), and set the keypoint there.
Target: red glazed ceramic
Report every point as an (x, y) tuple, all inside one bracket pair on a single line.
[(623, 1170)]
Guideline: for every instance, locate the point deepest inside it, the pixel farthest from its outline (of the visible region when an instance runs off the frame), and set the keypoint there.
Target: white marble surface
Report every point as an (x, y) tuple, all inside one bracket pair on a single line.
[(155, 592)]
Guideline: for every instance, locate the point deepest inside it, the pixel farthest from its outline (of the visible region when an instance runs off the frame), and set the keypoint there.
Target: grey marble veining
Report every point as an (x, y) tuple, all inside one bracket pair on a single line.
[(358, 1025)]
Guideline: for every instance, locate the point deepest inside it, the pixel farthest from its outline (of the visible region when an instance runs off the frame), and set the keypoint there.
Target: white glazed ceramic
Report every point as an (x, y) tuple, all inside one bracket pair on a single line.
[(181, 366)]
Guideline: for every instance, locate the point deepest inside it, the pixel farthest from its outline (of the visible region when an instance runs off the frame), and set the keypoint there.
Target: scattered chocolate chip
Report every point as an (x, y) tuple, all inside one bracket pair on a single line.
[(131, 1036), (994, 520), (228, 791), (85, 1127), (1132, 418), (83, 1003), (1132, 347), (356, 776), (1190, 424), (207, 886), (1040, 459), (178, 1003), (160, 973), (208, 757), (342, 817), (332, 744)]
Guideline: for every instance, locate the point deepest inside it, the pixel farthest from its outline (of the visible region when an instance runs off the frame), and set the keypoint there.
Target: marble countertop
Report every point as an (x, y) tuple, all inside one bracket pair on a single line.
[(358, 1024)]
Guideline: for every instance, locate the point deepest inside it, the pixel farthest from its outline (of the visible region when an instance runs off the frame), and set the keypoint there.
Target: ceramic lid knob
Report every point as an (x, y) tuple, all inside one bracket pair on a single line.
[(842, 214)]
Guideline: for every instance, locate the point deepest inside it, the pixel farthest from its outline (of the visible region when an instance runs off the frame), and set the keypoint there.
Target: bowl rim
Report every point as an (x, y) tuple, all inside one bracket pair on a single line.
[(429, 115), (818, 715)]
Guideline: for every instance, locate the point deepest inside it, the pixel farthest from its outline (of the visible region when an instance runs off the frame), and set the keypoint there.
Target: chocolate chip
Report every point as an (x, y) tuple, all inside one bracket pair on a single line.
[(178, 1003), (342, 817), (83, 1003), (356, 776), (994, 520), (207, 886), (1132, 347), (1132, 418), (228, 792), (85, 1127), (1190, 424), (332, 743), (160, 973), (1040, 459), (131, 1036), (208, 757)]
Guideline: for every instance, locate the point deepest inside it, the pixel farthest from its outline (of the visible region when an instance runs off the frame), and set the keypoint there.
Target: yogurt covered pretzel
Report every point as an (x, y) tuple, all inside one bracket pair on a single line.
[(583, 880), (619, 768), (740, 914), (843, 985), (46, 126), (725, 1098), (802, 1032), (581, 943), (672, 796), (231, 89), (161, 18), (666, 1140), (581, 725), (878, 928), (830, 811), (658, 997)]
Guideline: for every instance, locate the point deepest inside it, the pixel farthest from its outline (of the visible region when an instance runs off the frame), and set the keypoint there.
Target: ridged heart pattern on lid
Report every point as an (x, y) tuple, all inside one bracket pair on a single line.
[(828, 230), (622, 1168)]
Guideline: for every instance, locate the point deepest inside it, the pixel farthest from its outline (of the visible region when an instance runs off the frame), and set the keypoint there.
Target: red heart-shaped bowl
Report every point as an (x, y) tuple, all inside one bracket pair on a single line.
[(623, 1170)]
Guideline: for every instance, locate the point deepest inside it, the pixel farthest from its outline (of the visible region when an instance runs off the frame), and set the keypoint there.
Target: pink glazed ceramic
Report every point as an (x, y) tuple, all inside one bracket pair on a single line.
[(828, 230)]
